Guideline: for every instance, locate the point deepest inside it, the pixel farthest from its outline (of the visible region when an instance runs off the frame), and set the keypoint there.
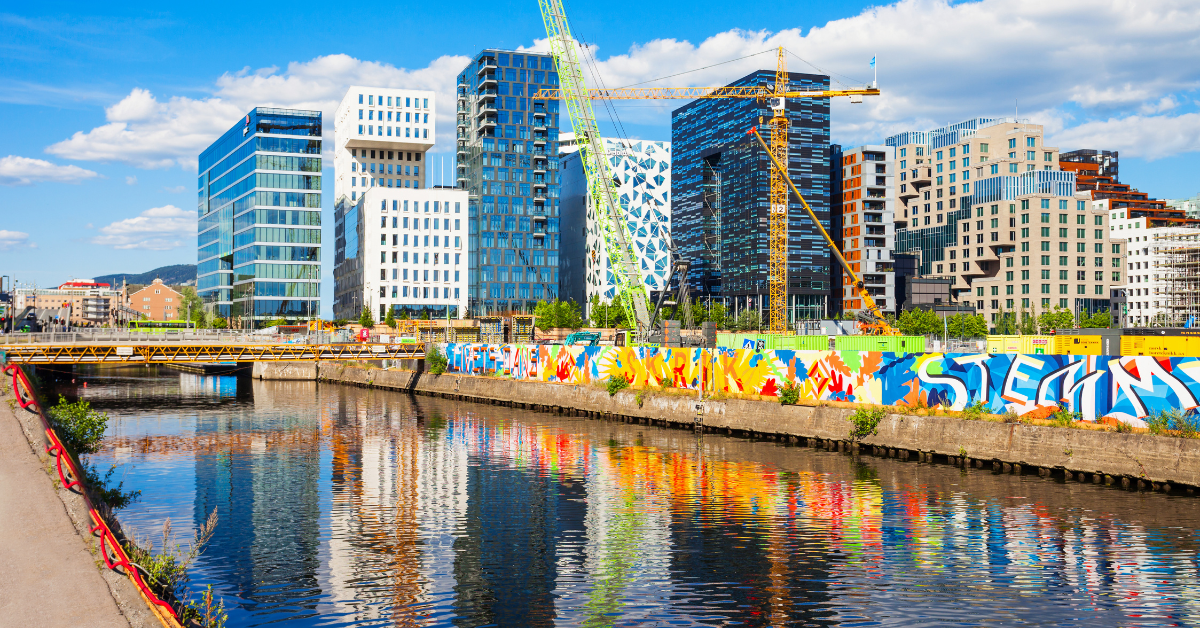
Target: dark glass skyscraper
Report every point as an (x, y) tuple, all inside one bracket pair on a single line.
[(508, 163), (259, 242), (721, 188)]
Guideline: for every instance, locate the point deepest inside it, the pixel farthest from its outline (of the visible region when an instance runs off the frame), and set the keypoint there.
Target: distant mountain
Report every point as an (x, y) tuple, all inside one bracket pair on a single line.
[(176, 275)]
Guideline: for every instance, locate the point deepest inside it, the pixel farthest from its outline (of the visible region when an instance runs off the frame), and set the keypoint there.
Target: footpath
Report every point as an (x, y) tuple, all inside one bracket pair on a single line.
[(51, 576)]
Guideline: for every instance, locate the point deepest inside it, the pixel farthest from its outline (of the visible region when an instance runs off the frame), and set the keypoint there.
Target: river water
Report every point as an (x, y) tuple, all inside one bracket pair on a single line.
[(345, 506)]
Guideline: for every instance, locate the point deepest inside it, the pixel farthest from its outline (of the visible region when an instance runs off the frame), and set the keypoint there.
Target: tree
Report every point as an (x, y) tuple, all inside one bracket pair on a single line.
[(1028, 324), (553, 314), (390, 319), (340, 322), (219, 323), (717, 314), (848, 315), (365, 319), (749, 320), (967, 326), (190, 304), (608, 315), (1097, 320), (1058, 318), (918, 322)]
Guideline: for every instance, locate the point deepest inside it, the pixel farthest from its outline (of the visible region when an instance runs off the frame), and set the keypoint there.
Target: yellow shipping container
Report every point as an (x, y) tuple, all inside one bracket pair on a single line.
[(1030, 345), (1079, 345), (1133, 345), (1162, 346)]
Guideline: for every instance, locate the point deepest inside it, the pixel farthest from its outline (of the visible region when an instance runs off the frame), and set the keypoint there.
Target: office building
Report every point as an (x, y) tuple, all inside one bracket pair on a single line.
[(721, 189), (1096, 174), (643, 173), (865, 208), (259, 242), (986, 205), (400, 245), (1147, 272), (1190, 206), (507, 162)]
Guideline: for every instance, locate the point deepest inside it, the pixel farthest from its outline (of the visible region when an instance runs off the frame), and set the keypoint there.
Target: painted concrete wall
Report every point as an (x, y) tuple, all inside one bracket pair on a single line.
[(1126, 388)]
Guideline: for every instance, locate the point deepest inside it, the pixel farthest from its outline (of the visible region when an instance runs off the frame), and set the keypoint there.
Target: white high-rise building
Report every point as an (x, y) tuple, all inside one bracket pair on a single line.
[(399, 244), (1146, 288)]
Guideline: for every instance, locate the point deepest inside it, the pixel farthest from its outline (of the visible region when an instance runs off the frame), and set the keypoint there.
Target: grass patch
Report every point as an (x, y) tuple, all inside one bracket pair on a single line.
[(615, 384), (973, 412)]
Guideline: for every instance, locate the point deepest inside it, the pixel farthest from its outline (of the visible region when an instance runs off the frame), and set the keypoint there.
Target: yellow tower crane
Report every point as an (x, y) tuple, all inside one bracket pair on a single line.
[(776, 96)]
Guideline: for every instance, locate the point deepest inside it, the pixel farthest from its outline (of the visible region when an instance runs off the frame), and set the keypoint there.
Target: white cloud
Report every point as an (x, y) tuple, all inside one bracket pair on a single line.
[(156, 229), (13, 239), (146, 132), (1151, 137), (25, 171), (178, 189), (1071, 61), (130, 180)]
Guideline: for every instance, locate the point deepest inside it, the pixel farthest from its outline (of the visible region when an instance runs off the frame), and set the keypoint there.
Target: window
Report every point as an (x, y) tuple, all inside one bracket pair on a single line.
[(1116, 249), (1045, 216), (1012, 142), (1050, 157), (1030, 142)]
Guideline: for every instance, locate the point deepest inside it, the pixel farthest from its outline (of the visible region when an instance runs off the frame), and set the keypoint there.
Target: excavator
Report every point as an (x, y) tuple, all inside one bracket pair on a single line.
[(870, 321)]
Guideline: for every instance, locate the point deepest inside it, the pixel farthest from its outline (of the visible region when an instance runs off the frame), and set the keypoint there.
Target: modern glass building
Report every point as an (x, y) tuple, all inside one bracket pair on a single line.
[(721, 188), (259, 242), (507, 158)]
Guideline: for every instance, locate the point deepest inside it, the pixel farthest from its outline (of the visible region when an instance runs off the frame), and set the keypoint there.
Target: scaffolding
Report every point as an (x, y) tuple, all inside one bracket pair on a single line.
[(1177, 267)]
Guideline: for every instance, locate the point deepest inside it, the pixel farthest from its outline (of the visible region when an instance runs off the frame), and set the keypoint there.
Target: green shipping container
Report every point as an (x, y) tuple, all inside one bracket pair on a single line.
[(889, 344), (771, 342), (804, 343)]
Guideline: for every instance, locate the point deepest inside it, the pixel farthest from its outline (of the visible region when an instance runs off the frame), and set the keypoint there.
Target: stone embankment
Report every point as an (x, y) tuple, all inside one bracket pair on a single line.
[(1128, 459)]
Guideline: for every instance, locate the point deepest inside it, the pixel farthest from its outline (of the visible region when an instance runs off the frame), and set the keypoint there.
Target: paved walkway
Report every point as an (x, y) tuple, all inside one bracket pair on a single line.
[(47, 575)]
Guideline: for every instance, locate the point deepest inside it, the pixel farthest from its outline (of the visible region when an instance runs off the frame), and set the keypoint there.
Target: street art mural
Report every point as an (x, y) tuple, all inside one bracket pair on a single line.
[(1125, 388)]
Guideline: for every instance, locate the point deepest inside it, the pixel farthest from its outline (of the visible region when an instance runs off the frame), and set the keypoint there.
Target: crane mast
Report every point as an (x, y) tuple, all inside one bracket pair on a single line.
[(610, 217)]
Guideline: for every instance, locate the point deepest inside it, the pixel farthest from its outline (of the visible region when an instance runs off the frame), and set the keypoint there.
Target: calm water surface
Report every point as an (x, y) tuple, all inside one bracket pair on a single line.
[(343, 506)]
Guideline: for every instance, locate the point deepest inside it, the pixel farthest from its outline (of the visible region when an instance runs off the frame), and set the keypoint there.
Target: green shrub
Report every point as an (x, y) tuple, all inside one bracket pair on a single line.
[(1184, 424), (640, 398), (78, 425), (436, 360), (1064, 417), (616, 383), (1012, 417), (789, 394), (866, 422), (974, 412), (166, 570), (1124, 427)]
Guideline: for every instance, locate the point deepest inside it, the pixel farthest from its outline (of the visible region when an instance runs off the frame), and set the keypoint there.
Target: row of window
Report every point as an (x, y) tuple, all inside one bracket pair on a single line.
[(409, 132), (402, 223), (526, 258), (410, 117), (418, 292), (398, 258), (1045, 289), (418, 274), (408, 171), (382, 182), (397, 240), (1010, 304), (518, 273), (418, 103)]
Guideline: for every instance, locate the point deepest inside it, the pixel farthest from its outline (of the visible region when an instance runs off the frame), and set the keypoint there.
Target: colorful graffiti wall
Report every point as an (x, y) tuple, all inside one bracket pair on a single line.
[(1125, 388)]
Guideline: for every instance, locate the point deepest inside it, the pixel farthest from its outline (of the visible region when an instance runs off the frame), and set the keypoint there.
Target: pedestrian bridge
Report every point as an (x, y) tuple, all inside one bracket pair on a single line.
[(76, 348)]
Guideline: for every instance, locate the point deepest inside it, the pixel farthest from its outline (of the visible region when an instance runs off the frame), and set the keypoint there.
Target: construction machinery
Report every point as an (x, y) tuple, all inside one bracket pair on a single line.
[(870, 321), (775, 95), (587, 338)]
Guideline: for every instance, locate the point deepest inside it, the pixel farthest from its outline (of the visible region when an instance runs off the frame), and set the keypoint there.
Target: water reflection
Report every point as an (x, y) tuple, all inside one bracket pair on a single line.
[(344, 506)]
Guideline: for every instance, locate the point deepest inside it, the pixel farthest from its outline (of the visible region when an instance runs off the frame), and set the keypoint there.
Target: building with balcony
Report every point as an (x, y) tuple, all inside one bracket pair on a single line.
[(508, 164), (1096, 174), (865, 224), (985, 204), (399, 244), (87, 303), (1147, 273), (721, 188), (1190, 206), (643, 172), (259, 233)]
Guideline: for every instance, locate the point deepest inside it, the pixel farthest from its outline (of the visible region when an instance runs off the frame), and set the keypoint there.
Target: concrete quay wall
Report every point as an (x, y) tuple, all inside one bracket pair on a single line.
[(1132, 460)]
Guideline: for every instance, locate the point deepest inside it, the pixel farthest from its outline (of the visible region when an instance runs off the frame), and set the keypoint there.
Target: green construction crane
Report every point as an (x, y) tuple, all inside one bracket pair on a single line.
[(609, 215)]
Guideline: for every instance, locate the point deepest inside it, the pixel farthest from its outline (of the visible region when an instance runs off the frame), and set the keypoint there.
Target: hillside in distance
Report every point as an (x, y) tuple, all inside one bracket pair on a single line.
[(175, 275)]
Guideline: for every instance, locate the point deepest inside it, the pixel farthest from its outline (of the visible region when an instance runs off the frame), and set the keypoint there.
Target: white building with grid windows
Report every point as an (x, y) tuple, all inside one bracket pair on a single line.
[(399, 244)]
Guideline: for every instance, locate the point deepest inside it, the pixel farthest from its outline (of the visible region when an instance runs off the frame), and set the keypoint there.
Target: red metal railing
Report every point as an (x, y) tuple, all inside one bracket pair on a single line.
[(71, 478)]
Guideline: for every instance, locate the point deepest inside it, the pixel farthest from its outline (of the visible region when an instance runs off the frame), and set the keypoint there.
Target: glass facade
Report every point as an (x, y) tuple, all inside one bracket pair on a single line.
[(259, 232), (931, 242), (721, 188), (507, 158)]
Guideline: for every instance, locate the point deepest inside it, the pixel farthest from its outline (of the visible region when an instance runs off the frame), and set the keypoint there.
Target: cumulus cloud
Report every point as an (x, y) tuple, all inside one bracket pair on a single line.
[(13, 239), (16, 170), (1151, 137), (130, 180), (147, 132), (1070, 61), (176, 189), (156, 229)]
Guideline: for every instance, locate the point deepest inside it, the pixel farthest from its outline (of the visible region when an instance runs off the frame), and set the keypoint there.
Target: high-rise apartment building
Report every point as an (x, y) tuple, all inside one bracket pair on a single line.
[(866, 211), (259, 234), (507, 157), (721, 188), (987, 207), (400, 245), (643, 173)]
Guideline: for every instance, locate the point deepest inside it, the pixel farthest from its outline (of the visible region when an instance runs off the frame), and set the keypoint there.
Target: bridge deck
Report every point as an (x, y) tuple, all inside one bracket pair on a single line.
[(174, 352)]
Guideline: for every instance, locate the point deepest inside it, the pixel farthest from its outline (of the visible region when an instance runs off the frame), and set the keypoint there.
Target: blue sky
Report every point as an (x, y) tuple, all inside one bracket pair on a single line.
[(107, 105)]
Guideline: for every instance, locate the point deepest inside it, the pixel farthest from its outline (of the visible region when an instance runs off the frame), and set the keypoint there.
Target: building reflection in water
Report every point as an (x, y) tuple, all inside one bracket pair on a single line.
[(342, 506)]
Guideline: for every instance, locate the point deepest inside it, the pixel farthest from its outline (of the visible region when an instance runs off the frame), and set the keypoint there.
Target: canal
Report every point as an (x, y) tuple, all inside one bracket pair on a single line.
[(347, 506)]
